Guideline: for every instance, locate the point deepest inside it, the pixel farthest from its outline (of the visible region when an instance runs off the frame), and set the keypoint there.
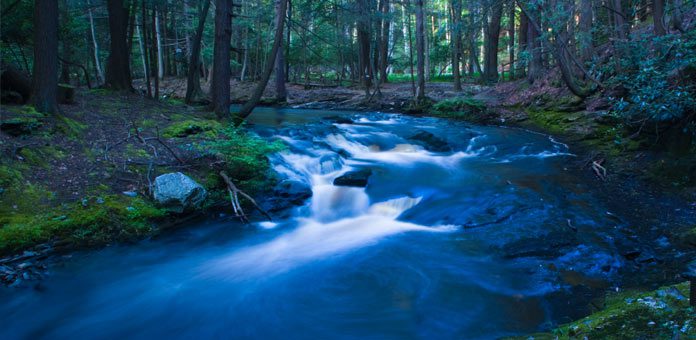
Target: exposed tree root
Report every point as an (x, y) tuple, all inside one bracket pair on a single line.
[(234, 199)]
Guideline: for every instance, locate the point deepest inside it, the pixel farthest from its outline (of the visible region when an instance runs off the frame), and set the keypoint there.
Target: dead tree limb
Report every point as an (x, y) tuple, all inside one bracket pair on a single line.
[(234, 199)]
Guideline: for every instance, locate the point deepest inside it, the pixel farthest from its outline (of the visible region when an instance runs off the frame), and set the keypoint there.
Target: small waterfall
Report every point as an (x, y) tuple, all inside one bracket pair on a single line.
[(340, 218)]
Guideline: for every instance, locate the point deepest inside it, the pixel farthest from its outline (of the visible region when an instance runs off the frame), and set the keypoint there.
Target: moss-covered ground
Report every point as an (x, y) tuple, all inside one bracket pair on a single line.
[(82, 179)]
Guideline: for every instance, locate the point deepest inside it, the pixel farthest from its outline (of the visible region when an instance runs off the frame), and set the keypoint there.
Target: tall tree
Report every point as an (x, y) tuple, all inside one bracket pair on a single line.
[(456, 28), (118, 74), (221, 58), (585, 30), (384, 40), (490, 66), (45, 76), (511, 40), (420, 50), (193, 77), (535, 63), (281, 91), (658, 9), (363, 32), (246, 109)]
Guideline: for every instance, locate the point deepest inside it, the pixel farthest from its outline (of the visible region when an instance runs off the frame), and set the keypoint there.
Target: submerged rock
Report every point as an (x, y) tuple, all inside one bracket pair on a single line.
[(357, 178), (431, 142), (293, 191), (178, 192)]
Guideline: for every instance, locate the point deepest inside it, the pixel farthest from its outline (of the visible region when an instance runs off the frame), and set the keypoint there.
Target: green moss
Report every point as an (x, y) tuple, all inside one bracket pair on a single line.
[(98, 221), (134, 152), (41, 156), (70, 127), (659, 314), (10, 176), (461, 108), (202, 127), (24, 110)]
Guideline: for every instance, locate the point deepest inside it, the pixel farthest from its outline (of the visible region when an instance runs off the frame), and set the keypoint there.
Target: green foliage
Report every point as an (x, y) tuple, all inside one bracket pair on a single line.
[(656, 92), (244, 154), (461, 108)]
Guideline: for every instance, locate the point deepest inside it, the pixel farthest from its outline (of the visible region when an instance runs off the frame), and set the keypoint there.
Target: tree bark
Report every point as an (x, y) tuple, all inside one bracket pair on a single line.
[(420, 50), (511, 42), (118, 75), (522, 38), (585, 28), (384, 42), (45, 74), (535, 64), (146, 57), (193, 77), (490, 67), (245, 111), (456, 12), (281, 91), (363, 28), (95, 43), (160, 49), (221, 58), (658, 9)]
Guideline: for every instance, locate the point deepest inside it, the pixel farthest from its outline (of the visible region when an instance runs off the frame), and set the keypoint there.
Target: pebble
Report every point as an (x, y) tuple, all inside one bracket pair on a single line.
[(130, 193), (651, 323), (100, 200)]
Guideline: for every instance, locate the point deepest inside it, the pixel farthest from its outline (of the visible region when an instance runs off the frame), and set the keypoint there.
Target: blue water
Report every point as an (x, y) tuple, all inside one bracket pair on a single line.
[(475, 241)]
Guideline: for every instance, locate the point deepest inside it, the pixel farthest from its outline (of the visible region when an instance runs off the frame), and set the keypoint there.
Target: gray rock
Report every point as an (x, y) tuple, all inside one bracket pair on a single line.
[(178, 192), (431, 142)]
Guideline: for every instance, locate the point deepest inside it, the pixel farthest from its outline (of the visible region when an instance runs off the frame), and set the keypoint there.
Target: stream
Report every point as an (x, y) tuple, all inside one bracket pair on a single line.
[(462, 231)]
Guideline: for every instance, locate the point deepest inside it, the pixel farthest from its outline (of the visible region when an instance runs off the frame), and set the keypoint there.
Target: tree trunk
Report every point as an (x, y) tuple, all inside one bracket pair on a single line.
[(261, 86), (585, 28), (511, 42), (221, 58), (160, 52), (490, 67), (118, 75), (281, 91), (155, 50), (522, 38), (363, 28), (456, 12), (193, 77), (535, 65), (658, 8), (146, 57), (95, 43), (384, 42), (45, 75), (420, 49)]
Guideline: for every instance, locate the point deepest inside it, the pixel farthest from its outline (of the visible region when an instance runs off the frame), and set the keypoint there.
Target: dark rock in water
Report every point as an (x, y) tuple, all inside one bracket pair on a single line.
[(546, 246), (357, 178), (19, 126), (339, 120), (295, 192), (431, 142), (632, 255), (286, 194)]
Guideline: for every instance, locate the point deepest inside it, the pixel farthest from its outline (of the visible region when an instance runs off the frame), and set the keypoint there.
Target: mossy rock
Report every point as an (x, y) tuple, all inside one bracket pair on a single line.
[(462, 108), (660, 314), (19, 126), (190, 127)]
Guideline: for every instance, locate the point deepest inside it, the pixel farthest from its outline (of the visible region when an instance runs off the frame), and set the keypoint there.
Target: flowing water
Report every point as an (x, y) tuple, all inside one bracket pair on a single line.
[(471, 232)]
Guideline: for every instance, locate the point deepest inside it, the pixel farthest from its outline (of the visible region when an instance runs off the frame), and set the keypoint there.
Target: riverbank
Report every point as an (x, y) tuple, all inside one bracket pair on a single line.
[(83, 179)]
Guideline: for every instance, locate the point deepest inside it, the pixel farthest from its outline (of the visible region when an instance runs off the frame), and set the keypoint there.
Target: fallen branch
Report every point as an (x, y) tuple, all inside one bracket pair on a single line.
[(234, 199), (599, 170)]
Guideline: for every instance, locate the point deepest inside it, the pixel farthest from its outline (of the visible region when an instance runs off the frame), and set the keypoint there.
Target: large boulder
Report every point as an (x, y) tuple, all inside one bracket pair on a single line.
[(357, 178), (178, 192), (431, 142)]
